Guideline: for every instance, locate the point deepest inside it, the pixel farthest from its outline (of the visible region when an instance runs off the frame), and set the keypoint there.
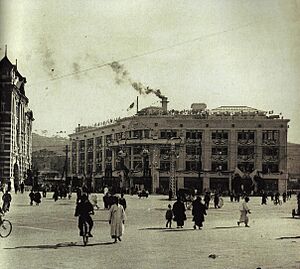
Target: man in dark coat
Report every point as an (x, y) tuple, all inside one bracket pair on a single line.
[(179, 213), (198, 212)]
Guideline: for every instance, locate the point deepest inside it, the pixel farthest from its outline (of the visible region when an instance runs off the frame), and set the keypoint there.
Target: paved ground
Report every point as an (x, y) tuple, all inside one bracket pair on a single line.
[(46, 236)]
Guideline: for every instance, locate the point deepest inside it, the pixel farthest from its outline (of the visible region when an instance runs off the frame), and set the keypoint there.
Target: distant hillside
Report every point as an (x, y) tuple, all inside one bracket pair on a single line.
[(293, 153), (56, 143)]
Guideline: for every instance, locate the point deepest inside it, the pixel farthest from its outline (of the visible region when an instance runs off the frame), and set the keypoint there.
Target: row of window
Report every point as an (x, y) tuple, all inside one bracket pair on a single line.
[(267, 135)]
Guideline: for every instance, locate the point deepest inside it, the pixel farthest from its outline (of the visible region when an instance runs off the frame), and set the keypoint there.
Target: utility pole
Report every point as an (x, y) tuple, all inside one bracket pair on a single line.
[(172, 182), (199, 160), (66, 166)]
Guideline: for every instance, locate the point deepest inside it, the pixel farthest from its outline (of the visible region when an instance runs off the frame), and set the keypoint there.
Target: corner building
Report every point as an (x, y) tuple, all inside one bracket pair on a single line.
[(15, 125), (230, 148)]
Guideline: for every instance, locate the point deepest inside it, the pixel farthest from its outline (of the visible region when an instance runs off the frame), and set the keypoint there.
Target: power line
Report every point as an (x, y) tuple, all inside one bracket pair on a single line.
[(233, 28)]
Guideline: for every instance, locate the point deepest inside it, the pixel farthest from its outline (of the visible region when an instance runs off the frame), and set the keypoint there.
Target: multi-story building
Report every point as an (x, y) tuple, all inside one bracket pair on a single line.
[(15, 125), (231, 148)]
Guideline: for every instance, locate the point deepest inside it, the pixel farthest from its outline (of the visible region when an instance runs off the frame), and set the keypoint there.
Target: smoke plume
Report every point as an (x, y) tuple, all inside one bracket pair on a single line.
[(122, 76)]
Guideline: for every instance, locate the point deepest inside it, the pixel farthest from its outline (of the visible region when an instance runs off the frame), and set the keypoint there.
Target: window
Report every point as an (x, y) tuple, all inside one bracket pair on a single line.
[(270, 135), (90, 144), (2, 108), (167, 134), (98, 142), (193, 166), (82, 145), (193, 150), (2, 141), (246, 135), (165, 166), (193, 134), (146, 133), (138, 134), (216, 166), (219, 135), (268, 168), (245, 151), (219, 151)]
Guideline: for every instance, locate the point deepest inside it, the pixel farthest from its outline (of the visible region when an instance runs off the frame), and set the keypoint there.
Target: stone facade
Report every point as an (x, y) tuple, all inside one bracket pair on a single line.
[(15, 125), (225, 149)]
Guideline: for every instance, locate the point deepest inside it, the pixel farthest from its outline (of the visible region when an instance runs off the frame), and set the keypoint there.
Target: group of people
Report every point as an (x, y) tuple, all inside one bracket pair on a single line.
[(275, 197), (177, 213), (35, 196), (84, 210)]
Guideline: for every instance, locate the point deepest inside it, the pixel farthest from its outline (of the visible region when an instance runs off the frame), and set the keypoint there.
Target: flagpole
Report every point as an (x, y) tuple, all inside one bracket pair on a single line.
[(137, 104)]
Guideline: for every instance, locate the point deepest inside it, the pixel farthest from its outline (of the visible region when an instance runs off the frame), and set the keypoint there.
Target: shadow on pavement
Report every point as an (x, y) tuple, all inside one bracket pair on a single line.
[(163, 229), (229, 227), (289, 237), (62, 245)]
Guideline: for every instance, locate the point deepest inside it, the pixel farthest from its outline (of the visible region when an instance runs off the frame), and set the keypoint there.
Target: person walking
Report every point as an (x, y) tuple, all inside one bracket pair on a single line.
[(264, 198), (6, 198), (244, 210), (207, 199), (31, 196), (198, 212), (37, 197), (122, 201), (216, 200), (169, 216), (179, 212), (116, 220)]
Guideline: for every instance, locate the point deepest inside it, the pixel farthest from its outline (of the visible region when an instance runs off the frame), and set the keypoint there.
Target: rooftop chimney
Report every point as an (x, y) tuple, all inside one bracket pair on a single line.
[(164, 103)]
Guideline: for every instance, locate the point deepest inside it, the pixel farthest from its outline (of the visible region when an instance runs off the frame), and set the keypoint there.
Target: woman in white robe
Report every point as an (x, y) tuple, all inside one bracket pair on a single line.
[(116, 220), (244, 209)]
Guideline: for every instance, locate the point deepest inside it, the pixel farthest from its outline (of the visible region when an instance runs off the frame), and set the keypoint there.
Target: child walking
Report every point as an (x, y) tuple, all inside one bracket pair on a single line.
[(169, 216)]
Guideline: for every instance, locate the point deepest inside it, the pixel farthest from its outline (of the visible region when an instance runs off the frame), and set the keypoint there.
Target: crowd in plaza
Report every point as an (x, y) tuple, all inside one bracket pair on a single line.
[(87, 202)]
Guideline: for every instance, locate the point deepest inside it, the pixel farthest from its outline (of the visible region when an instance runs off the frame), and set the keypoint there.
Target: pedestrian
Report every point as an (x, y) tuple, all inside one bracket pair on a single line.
[(31, 196), (170, 194), (272, 196), (37, 197), (122, 201), (44, 191), (55, 194), (244, 210), (94, 201), (22, 186), (78, 194), (276, 199), (207, 199), (6, 198), (179, 212), (284, 197), (16, 186), (169, 216), (264, 198), (216, 200), (198, 212), (231, 196), (116, 220), (84, 210)]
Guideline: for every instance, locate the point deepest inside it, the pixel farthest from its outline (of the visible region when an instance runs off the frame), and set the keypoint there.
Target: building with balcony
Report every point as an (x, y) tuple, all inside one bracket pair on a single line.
[(230, 148), (15, 125)]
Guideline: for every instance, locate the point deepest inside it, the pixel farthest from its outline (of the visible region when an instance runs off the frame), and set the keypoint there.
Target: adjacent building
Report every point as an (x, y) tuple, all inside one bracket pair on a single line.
[(230, 148), (15, 125)]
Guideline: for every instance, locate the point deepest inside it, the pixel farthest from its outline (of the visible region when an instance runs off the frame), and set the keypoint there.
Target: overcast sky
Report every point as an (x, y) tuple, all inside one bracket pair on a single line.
[(229, 52)]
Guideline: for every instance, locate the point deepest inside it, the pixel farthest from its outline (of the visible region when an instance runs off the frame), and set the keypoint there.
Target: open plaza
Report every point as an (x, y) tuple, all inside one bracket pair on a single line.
[(46, 236)]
